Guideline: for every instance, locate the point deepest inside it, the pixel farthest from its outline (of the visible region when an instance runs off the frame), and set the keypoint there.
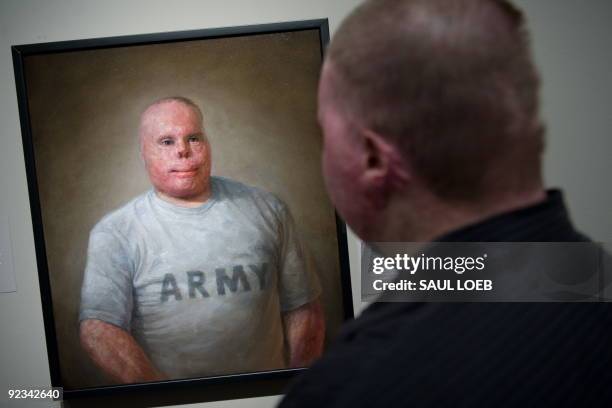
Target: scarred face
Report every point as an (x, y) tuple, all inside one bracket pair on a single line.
[(176, 152)]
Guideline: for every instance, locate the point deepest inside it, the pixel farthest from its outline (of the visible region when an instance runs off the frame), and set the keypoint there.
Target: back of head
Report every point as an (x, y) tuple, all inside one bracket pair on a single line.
[(452, 84)]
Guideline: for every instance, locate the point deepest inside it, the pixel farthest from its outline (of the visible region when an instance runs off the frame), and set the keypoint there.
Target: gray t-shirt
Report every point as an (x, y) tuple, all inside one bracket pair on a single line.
[(200, 289)]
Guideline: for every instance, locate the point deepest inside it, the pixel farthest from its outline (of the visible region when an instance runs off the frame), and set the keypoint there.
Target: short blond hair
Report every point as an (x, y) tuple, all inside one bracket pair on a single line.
[(452, 83)]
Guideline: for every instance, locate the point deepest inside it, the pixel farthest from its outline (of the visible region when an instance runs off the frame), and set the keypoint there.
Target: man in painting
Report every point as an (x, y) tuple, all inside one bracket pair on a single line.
[(429, 110), (199, 276)]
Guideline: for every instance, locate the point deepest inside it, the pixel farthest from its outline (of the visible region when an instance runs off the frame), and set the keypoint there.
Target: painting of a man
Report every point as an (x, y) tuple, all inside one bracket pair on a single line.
[(199, 276)]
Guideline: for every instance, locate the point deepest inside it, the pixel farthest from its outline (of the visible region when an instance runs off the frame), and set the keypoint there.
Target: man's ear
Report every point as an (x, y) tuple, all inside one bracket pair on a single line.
[(385, 166)]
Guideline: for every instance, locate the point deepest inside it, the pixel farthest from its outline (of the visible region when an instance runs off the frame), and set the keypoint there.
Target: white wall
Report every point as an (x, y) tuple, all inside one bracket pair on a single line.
[(571, 49)]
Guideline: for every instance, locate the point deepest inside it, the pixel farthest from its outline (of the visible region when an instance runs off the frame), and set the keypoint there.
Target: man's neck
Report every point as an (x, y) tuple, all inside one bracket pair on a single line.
[(186, 202), (426, 223)]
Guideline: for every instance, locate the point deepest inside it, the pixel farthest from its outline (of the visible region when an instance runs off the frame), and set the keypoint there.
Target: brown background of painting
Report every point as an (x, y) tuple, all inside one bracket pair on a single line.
[(258, 94)]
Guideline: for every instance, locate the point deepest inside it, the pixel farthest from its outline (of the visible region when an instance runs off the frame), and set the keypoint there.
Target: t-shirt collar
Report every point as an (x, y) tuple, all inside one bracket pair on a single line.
[(178, 210)]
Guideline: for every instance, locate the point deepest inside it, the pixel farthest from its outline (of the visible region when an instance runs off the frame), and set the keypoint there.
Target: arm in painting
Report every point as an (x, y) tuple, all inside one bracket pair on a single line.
[(304, 333), (116, 352)]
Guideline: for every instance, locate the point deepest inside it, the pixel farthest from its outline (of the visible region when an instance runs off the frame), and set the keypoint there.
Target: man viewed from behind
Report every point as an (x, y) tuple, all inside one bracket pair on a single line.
[(429, 110), (437, 106)]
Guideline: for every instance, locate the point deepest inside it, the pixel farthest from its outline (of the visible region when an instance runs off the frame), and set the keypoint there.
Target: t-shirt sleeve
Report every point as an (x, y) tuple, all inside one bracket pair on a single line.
[(107, 292), (298, 281)]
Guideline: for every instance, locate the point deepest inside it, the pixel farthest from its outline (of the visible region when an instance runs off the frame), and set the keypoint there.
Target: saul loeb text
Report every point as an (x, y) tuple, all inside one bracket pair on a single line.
[(436, 268), (434, 285)]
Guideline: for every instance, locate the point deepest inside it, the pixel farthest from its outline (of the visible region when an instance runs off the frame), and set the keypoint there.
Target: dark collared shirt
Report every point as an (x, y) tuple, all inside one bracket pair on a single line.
[(472, 354)]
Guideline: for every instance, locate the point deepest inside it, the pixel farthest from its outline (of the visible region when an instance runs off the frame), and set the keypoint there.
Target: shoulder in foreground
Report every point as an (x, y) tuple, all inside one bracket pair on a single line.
[(232, 189), (118, 219)]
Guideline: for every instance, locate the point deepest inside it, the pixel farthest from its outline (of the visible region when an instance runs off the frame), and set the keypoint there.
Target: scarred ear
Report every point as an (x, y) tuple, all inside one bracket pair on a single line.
[(385, 168)]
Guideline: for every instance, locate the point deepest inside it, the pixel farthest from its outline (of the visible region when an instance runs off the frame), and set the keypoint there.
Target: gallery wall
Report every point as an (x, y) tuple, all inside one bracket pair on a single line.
[(572, 52)]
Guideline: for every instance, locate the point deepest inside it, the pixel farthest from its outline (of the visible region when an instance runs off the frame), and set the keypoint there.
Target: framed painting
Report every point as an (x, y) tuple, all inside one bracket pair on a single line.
[(179, 212)]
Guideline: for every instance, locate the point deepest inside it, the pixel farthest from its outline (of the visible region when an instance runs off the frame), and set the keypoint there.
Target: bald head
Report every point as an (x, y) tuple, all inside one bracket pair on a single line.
[(451, 83), (176, 151), (151, 112)]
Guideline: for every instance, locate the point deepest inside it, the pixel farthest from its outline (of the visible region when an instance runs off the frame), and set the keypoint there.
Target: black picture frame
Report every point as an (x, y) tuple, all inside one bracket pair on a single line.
[(172, 391)]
